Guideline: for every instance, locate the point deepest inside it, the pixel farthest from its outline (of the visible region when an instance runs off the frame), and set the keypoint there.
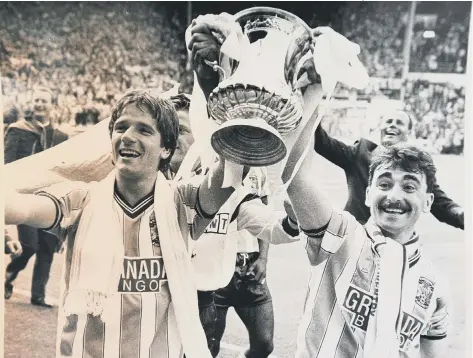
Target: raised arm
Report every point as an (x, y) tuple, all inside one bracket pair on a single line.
[(446, 210), (337, 152), (203, 45), (312, 209), (211, 198)]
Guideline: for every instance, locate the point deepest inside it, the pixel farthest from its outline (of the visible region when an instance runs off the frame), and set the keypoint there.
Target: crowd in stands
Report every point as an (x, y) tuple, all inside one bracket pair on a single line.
[(378, 28), (446, 51), (91, 53), (438, 110)]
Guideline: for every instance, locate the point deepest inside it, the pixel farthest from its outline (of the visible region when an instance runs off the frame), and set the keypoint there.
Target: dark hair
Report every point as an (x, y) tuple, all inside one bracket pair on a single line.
[(406, 157), (182, 101), (161, 110)]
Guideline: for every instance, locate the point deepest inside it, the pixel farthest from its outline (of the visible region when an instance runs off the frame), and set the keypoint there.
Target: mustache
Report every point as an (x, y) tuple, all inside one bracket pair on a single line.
[(391, 204)]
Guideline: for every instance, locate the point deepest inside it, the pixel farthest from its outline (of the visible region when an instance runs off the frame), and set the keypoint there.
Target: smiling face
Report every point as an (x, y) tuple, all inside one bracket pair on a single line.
[(42, 104), (395, 128), (136, 144), (396, 199)]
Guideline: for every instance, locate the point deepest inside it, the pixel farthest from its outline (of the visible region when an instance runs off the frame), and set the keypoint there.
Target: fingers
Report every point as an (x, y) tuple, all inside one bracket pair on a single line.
[(18, 250), (14, 248), (200, 29), (200, 37)]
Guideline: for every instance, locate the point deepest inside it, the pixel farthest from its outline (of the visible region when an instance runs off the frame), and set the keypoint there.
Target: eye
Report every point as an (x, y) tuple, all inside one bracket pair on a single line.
[(409, 188), (384, 185), (145, 130), (119, 128)]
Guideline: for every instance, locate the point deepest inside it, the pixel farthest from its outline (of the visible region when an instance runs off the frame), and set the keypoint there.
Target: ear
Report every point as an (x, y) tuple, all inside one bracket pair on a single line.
[(368, 197), (429, 199), (165, 153)]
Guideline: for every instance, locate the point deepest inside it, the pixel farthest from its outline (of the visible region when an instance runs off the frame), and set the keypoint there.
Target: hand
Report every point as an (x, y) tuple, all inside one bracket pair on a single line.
[(258, 269), (203, 46), (13, 247)]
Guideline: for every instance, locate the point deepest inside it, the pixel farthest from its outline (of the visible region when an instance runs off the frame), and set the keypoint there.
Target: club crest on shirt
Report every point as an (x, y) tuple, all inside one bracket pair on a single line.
[(141, 275), (219, 224), (425, 290), (153, 230), (358, 302)]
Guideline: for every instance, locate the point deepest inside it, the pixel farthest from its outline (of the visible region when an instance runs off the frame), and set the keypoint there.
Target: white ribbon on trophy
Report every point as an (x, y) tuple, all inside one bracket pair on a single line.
[(335, 59)]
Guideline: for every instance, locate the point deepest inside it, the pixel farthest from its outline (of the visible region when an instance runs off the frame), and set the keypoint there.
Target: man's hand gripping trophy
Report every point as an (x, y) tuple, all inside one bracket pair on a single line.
[(332, 58)]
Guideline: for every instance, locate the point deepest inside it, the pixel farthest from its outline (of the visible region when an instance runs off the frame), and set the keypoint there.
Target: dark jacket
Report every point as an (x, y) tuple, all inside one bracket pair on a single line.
[(355, 160), (24, 138)]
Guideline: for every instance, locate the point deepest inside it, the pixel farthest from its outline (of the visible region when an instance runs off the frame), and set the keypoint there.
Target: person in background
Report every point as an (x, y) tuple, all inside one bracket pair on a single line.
[(355, 160), (33, 134)]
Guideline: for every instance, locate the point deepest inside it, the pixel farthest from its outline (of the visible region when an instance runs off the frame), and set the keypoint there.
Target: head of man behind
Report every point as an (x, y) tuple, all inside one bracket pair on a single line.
[(42, 103), (401, 179), (181, 103), (395, 126)]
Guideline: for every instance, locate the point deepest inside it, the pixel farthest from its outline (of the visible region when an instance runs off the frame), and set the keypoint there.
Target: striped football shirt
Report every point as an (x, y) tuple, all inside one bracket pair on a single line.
[(341, 258), (145, 325)]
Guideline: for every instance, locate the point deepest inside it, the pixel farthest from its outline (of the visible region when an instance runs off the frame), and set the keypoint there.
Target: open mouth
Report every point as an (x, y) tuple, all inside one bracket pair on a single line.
[(391, 132), (394, 209), (128, 153)]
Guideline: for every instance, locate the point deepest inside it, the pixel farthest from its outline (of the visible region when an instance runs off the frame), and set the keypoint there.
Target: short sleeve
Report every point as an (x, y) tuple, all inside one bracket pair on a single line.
[(334, 233), (187, 201), (70, 199), (438, 324)]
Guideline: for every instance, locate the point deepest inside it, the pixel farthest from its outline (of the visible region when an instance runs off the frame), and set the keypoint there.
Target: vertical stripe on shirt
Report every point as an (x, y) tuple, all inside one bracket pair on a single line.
[(347, 344), (94, 337), (330, 271)]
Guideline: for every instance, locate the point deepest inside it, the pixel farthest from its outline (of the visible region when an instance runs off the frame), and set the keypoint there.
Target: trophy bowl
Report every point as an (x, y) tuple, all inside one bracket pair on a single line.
[(257, 102)]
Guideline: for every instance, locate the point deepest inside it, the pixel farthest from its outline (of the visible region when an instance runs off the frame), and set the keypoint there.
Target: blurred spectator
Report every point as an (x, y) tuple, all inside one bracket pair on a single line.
[(378, 27), (22, 139), (439, 111), (89, 53), (446, 51)]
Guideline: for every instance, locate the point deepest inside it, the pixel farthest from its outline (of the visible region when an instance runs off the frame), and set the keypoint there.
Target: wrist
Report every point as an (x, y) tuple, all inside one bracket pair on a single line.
[(263, 257)]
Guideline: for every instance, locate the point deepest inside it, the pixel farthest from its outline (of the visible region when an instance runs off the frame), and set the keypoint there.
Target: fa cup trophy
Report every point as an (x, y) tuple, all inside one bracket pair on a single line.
[(258, 101)]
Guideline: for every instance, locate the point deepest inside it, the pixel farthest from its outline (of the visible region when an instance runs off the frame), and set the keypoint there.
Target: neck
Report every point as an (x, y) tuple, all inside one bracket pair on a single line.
[(401, 237), (42, 120), (134, 189)]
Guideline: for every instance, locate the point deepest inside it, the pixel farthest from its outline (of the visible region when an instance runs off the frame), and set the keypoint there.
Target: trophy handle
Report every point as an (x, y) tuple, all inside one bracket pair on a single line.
[(216, 68)]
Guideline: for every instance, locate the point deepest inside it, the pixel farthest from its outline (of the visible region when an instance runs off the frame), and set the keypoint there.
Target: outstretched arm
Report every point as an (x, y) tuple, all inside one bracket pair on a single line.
[(29, 209), (339, 153)]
